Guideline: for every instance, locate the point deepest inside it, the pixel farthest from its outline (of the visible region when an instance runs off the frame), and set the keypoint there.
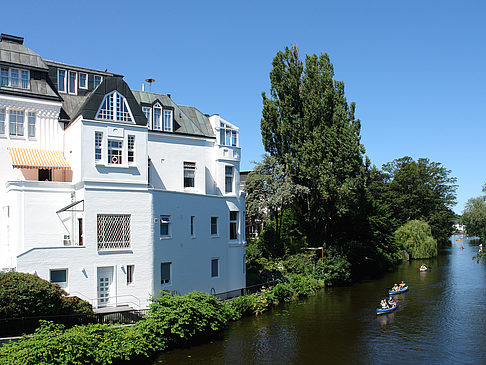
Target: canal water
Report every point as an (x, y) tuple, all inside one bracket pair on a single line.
[(440, 320)]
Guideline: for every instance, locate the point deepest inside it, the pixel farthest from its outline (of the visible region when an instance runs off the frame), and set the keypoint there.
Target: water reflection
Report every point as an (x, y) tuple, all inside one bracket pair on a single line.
[(439, 320)]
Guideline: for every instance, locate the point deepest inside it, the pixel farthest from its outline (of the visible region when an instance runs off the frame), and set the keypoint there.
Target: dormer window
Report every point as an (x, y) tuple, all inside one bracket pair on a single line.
[(228, 135), (14, 77), (115, 107), (167, 120), (157, 124), (97, 80)]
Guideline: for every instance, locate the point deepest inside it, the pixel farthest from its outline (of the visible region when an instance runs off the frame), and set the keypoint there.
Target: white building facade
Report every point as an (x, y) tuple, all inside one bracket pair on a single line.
[(113, 193)]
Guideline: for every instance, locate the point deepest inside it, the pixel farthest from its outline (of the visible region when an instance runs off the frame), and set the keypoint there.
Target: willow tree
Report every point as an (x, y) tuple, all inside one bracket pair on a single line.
[(310, 128)]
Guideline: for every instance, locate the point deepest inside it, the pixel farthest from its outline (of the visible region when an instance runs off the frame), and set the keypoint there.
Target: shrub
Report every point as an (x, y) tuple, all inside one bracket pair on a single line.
[(25, 295), (172, 319), (335, 270), (304, 286), (416, 238), (240, 306), (90, 344), (283, 292), (302, 264), (263, 300)]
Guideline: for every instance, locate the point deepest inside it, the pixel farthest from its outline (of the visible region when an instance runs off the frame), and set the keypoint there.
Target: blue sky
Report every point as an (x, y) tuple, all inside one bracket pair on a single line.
[(415, 69)]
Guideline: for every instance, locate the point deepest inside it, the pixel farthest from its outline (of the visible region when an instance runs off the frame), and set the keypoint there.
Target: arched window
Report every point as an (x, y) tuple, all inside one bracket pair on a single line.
[(115, 107)]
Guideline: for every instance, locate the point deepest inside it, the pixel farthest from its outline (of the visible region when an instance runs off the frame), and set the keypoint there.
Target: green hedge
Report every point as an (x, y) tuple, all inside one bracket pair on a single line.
[(27, 295)]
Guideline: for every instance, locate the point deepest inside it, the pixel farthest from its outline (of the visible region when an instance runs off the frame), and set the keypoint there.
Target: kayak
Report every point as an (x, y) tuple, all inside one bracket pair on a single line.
[(384, 311), (404, 289), (420, 269)]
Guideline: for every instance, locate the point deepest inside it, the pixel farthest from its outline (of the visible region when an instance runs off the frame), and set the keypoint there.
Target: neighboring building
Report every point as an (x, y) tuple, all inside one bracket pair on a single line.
[(113, 193), (253, 226)]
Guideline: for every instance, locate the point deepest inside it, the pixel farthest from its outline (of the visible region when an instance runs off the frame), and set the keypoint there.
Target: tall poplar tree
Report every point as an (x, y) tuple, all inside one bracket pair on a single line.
[(309, 127)]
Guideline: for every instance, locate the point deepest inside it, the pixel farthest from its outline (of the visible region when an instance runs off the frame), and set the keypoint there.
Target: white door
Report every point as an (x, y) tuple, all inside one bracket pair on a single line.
[(105, 279)]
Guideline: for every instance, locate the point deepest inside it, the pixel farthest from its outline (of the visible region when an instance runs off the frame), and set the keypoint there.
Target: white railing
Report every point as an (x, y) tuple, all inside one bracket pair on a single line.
[(114, 300)]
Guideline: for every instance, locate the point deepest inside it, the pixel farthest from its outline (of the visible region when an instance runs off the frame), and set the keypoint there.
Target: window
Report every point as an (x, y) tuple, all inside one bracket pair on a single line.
[(16, 122), (113, 231), (97, 80), (167, 120), (228, 179), (73, 82), (214, 268), (148, 114), (44, 175), (157, 123), (165, 268), (228, 136), (214, 226), (2, 121), (189, 173), (130, 271), (233, 228), (83, 80), (165, 226), (58, 276), (98, 144), (31, 124), (114, 107), (131, 149), (15, 78), (115, 151), (61, 80), (193, 218)]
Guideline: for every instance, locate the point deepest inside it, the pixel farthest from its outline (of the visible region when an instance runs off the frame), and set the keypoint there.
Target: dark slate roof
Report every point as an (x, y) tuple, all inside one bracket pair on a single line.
[(19, 55), (187, 119), (79, 69), (71, 106), (88, 105)]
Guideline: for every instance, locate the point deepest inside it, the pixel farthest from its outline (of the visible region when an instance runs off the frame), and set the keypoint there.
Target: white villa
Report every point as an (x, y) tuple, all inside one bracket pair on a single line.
[(114, 193)]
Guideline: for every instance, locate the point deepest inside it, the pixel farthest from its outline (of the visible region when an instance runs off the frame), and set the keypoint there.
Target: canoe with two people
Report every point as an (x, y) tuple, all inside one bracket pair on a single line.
[(398, 288), (386, 306)]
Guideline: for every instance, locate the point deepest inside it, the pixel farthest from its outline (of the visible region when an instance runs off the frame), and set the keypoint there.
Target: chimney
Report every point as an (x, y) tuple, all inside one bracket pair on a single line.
[(11, 38), (143, 86)]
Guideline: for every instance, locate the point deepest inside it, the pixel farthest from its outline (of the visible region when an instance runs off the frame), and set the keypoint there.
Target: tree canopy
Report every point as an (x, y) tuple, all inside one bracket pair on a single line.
[(474, 216), (310, 129), (416, 238)]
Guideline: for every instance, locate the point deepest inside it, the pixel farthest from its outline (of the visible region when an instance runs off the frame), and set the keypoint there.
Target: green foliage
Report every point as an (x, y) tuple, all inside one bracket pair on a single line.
[(302, 264), (283, 292), (416, 238), (27, 295), (263, 300), (90, 344), (335, 270), (240, 306), (310, 129), (304, 286), (176, 318), (474, 216), (421, 190)]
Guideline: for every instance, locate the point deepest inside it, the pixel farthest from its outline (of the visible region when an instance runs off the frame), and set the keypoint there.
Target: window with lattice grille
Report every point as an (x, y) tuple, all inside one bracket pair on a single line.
[(113, 231)]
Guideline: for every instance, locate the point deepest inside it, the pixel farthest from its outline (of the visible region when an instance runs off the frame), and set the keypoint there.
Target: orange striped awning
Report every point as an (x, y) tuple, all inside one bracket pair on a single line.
[(38, 159)]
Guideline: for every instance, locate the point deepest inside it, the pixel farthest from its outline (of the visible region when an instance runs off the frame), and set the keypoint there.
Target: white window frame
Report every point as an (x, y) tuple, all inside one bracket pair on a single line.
[(148, 109), (216, 260), (166, 221), (188, 168), (115, 154), (228, 135), (3, 122), (62, 284), (233, 223), (156, 127), (94, 80), (115, 102), (211, 225), (85, 87), (168, 281), (64, 89), (130, 274), (31, 127), (226, 176), (9, 79), (98, 145), (167, 120), (131, 149), (74, 83), (16, 135)]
